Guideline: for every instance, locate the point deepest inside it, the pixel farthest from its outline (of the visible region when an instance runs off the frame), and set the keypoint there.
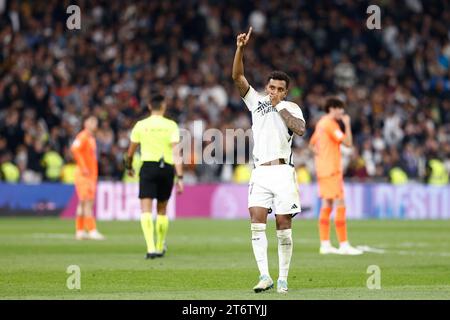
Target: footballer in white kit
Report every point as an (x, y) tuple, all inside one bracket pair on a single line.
[(272, 186), (273, 183)]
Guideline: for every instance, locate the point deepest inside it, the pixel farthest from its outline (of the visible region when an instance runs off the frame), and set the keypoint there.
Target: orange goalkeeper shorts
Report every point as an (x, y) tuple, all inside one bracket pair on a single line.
[(85, 187), (331, 187)]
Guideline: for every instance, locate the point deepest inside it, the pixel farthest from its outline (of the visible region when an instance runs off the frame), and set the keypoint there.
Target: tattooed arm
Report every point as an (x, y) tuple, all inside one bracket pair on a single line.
[(297, 125)]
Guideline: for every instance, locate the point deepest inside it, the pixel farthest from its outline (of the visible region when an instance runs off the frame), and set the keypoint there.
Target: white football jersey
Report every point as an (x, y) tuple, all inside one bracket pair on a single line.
[(272, 138)]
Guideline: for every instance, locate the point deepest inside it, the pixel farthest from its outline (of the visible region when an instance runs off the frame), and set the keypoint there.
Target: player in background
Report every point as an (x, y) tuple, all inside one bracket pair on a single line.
[(158, 137), (325, 143), (84, 150), (273, 182)]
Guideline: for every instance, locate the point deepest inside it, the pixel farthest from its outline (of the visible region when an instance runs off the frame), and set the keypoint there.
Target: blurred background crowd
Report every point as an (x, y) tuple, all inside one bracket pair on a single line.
[(395, 81)]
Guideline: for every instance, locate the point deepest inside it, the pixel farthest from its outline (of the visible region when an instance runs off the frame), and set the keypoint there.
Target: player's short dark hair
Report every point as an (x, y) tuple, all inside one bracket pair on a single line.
[(333, 102), (87, 117), (156, 101), (279, 75)]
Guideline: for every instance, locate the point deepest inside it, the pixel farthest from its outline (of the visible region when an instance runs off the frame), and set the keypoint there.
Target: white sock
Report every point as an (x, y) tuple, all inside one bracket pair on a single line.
[(284, 252), (259, 244), (344, 244), (325, 243)]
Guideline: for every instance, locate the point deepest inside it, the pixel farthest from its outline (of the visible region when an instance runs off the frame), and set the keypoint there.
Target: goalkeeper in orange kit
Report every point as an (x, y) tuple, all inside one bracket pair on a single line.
[(325, 143), (84, 150)]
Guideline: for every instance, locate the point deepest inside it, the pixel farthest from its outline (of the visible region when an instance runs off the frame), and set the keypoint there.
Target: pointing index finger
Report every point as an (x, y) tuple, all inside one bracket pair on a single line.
[(249, 32)]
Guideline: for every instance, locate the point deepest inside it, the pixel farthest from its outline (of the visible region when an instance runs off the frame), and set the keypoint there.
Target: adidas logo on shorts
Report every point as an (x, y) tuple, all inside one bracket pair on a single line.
[(294, 206)]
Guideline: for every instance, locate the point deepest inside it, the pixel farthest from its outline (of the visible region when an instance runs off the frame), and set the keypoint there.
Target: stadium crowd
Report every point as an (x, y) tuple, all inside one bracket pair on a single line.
[(395, 81)]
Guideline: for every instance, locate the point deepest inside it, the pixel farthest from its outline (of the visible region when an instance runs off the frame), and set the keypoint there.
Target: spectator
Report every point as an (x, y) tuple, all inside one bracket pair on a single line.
[(396, 81), (52, 163), (8, 170)]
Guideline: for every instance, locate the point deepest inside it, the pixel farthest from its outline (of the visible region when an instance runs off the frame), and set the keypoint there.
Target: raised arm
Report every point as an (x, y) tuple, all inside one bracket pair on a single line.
[(295, 124), (348, 139), (293, 118), (238, 65)]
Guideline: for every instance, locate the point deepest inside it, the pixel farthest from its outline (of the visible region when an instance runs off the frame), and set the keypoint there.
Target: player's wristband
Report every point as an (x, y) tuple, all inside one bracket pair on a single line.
[(180, 177)]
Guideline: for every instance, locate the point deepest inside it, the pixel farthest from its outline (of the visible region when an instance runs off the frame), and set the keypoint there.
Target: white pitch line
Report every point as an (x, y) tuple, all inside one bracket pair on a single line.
[(52, 236), (370, 249), (404, 252), (418, 253)]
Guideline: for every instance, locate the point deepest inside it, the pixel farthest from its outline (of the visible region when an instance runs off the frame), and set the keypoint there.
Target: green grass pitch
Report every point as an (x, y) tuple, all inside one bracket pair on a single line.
[(213, 259)]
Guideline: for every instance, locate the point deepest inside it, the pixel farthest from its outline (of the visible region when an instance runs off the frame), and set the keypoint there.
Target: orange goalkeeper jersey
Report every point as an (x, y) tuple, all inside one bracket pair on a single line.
[(84, 149), (326, 141)]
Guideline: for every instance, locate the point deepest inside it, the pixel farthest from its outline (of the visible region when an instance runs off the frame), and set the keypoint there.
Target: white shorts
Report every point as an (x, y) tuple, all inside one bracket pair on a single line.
[(274, 187)]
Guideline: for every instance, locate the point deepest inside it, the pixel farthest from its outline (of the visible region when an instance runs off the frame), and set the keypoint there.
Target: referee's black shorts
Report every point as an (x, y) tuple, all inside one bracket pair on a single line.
[(156, 182)]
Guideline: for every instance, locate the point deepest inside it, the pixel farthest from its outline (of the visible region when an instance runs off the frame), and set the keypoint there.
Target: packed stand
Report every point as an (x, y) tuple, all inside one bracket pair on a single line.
[(395, 81)]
